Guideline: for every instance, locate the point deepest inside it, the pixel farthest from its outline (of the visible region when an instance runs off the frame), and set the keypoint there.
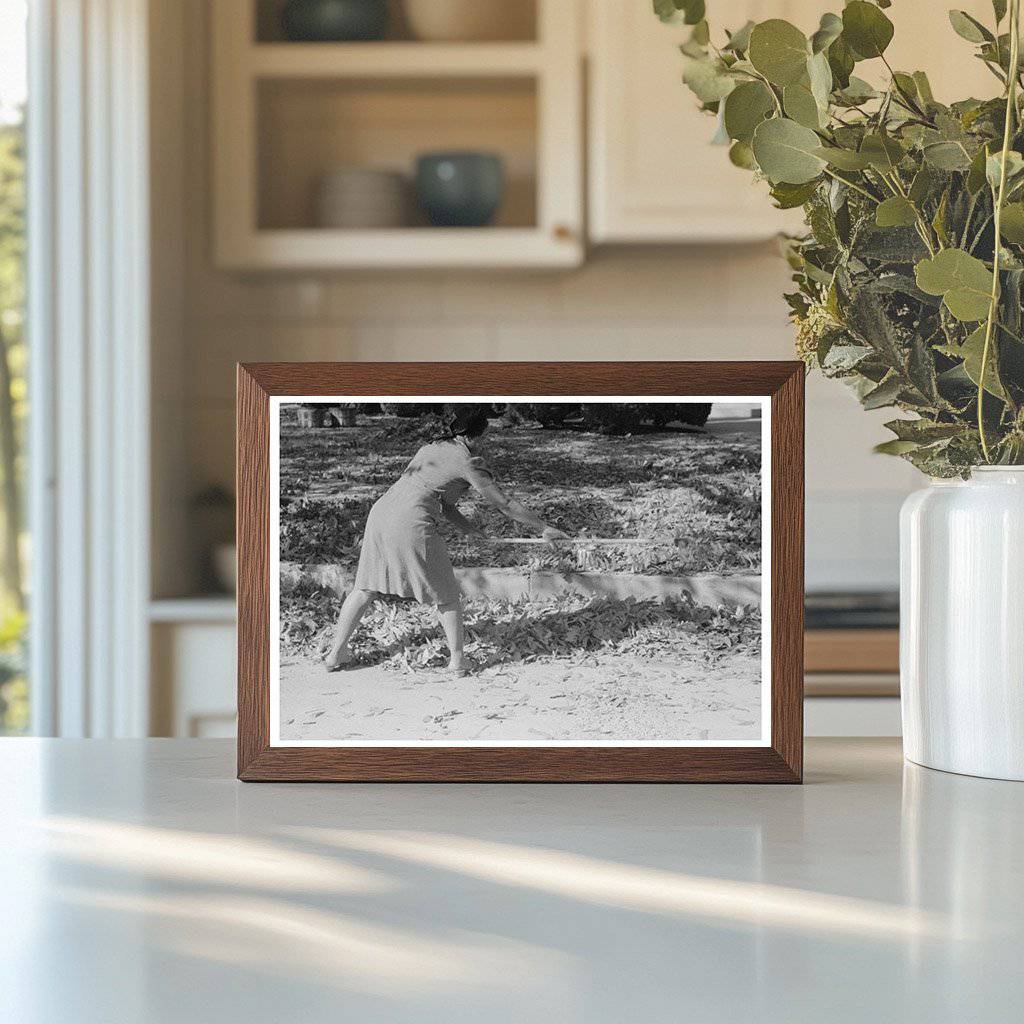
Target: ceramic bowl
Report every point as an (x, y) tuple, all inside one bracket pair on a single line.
[(470, 20), (460, 189), (333, 21)]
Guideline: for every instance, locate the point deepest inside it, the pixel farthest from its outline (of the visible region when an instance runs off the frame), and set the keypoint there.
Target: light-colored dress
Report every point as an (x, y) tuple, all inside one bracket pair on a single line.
[(403, 551)]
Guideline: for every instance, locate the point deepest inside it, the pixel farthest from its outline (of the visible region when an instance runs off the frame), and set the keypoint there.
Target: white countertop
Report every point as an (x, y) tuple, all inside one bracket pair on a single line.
[(139, 882)]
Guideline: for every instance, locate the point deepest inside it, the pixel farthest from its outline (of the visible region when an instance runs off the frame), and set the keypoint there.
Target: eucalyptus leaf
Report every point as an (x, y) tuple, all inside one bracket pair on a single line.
[(741, 155), (963, 281), (788, 196), (819, 75), (993, 167), (801, 106), (841, 62), (829, 30), (999, 9), (895, 447), (924, 87), (883, 152), (947, 156), (779, 51), (745, 108), (690, 12), (739, 41), (895, 212), (844, 159), (969, 28), (787, 152), (972, 351), (707, 78), (1012, 223), (883, 395), (866, 29)]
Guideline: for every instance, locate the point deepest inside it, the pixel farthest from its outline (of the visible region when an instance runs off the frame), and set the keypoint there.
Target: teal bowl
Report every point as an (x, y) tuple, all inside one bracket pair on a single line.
[(334, 21), (460, 190)]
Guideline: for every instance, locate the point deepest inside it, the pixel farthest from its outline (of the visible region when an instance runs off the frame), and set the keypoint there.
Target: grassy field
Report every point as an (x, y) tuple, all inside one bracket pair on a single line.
[(695, 497)]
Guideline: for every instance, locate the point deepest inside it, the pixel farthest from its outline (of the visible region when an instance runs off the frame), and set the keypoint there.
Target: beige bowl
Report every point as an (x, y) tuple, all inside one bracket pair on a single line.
[(471, 20), (362, 198)]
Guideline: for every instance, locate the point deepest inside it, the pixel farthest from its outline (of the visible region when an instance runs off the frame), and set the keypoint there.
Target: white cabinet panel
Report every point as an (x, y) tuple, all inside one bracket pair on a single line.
[(654, 176)]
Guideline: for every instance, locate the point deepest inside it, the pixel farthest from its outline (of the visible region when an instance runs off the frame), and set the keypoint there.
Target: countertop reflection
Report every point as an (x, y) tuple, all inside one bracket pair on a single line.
[(140, 882)]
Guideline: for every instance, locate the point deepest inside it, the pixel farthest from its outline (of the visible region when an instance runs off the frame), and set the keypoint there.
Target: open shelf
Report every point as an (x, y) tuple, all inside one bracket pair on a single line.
[(286, 114), (309, 127), (390, 60), (520, 23)]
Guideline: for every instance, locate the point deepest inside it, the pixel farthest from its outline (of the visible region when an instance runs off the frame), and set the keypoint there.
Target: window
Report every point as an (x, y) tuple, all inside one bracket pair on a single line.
[(14, 693)]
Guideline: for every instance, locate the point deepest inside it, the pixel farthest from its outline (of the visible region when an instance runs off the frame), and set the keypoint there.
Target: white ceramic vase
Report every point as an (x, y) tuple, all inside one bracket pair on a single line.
[(962, 624)]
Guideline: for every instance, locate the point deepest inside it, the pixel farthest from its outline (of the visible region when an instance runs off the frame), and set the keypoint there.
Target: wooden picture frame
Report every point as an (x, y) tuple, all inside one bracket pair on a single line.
[(779, 759)]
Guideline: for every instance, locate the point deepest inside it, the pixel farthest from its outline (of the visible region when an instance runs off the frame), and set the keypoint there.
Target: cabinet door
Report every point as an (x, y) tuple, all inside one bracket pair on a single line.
[(654, 176)]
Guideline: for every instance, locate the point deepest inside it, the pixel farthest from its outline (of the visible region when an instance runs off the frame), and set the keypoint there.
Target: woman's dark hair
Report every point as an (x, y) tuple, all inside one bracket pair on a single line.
[(466, 420)]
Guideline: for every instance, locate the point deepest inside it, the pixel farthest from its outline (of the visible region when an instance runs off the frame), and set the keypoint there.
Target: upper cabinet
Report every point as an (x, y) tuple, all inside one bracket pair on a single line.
[(316, 143), (654, 176)]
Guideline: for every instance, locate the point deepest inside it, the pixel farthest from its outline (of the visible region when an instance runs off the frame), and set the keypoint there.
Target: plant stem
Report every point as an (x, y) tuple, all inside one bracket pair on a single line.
[(853, 185), (1011, 109)]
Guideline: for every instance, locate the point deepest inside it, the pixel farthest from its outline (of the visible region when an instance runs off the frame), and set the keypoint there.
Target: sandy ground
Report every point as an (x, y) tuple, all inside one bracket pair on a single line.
[(610, 698)]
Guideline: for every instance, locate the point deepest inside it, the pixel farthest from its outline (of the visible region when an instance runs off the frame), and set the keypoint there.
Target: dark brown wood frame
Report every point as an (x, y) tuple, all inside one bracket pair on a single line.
[(782, 761)]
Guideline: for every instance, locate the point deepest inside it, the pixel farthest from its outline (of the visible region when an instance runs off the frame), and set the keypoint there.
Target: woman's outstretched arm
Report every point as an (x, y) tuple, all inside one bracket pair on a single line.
[(517, 511)]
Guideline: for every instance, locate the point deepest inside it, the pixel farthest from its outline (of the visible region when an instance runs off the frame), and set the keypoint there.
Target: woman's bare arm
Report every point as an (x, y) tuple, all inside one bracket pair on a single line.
[(516, 510)]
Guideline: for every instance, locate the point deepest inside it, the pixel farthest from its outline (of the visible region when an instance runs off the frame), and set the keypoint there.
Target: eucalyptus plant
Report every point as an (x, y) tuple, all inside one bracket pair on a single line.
[(910, 278)]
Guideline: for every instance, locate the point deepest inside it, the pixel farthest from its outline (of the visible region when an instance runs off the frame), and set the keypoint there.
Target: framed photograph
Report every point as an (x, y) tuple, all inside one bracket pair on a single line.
[(520, 571)]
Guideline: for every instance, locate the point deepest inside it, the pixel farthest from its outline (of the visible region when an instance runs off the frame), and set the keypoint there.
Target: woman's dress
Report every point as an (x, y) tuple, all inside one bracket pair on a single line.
[(403, 552)]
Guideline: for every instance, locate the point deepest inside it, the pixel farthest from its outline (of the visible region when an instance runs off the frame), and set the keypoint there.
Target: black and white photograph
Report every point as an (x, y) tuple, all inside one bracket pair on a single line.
[(516, 573)]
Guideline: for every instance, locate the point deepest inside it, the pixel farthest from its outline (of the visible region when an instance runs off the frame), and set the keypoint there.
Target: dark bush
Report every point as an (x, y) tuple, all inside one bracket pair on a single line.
[(410, 410), (551, 414)]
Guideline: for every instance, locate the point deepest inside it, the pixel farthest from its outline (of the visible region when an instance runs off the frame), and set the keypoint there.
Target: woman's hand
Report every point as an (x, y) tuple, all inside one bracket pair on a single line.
[(553, 535)]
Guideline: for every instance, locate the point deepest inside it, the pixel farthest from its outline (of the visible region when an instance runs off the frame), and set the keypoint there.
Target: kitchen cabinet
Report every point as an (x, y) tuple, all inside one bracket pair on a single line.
[(654, 177), (288, 114)]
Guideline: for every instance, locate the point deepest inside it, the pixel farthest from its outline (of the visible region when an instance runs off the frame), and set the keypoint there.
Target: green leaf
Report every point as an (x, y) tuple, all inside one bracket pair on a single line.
[(924, 88), (829, 30), (971, 351), (999, 9), (779, 51), (1012, 224), (969, 28), (922, 431), (788, 197), (801, 106), (866, 29), (707, 78), (689, 12), (745, 108), (883, 152), (844, 159), (922, 185), (947, 156), (976, 173), (741, 155), (885, 394), (787, 152), (857, 91), (963, 281), (819, 74), (895, 447), (739, 41), (841, 63), (895, 212), (993, 167)]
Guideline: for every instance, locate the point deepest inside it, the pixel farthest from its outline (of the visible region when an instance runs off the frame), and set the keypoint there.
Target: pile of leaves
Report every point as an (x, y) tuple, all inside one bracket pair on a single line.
[(694, 500), (910, 280), (406, 635)]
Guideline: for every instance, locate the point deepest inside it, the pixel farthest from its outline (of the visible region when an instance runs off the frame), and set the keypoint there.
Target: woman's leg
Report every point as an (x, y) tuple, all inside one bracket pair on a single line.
[(451, 620), (352, 610)]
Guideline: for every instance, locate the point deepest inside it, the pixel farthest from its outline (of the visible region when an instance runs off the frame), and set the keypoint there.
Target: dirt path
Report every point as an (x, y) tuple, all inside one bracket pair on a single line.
[(611, 698)]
